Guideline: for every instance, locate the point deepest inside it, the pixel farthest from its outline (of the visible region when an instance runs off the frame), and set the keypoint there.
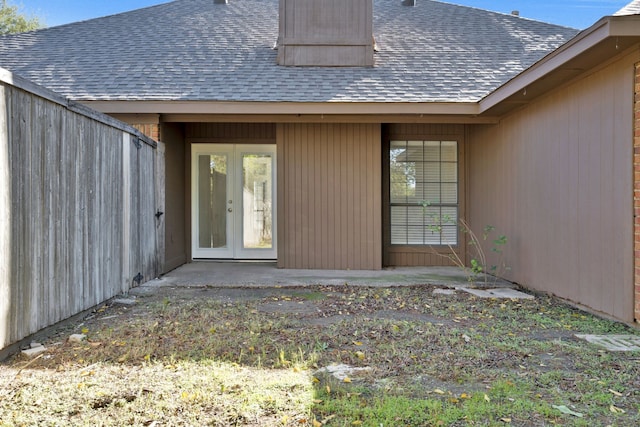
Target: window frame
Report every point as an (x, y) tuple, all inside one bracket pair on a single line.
[(415, 217), (442, 249)]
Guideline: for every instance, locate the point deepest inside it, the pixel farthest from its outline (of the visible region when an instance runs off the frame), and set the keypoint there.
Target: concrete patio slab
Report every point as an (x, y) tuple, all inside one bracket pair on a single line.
[(266, 274)]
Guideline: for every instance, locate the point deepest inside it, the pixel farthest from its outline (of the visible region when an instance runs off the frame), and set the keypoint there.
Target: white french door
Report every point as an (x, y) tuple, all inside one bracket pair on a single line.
[(233, 201)]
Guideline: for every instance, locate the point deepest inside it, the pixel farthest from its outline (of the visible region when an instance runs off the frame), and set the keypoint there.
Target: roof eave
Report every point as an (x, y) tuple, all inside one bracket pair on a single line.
[(289, 111), (605, 39)]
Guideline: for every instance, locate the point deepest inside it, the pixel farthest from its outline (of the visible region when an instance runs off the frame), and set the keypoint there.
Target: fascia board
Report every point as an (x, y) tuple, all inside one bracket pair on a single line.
[(271, 108), (607, 27)]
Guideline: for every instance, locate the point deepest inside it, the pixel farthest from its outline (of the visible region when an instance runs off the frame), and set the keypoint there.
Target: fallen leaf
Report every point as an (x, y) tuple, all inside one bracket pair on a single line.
[(356, 423), (465, 396), (505, 420), (360, 355), (315, 380), (346, 380), (466, 337), (328, 390), (616, 410), (487, 398), (565, 410), (329, 418), (357, 343), (317, 423), (615, 393), (438, 391)]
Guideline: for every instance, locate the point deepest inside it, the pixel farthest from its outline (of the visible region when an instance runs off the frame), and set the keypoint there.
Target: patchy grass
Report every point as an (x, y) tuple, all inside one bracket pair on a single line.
[(202, 357)]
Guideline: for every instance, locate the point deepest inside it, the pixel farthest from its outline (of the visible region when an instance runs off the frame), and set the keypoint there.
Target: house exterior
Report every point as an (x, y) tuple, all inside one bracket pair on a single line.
[(354, 135)]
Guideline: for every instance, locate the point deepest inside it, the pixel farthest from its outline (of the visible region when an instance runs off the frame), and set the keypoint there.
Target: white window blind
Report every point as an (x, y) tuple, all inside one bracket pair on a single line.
[(423, 180)]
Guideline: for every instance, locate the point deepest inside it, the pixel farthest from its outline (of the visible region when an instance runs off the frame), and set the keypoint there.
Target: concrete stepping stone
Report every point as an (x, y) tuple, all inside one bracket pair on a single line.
[(34, 350), (613, 342), (342, 371), (506, 293), (440, 291)]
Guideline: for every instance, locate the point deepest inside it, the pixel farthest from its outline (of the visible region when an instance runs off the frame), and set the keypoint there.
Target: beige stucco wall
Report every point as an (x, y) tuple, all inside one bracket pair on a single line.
[(556, 178), (329, 196)]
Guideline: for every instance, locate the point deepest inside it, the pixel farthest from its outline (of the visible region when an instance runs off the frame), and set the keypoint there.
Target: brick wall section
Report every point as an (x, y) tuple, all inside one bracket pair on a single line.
[(636, 192), (151, 130)]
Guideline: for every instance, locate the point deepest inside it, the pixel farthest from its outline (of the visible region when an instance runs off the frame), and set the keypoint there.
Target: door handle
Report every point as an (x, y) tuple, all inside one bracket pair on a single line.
[(230, 210)]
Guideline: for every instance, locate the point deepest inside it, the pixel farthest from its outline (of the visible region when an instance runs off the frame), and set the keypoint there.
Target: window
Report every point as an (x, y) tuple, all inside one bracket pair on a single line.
[(423, 179)]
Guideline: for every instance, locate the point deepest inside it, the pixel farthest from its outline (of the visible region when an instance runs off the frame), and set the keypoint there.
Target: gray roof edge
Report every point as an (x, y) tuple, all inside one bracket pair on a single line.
[(19, 82), (509, 14), (469, 108), (589, 37), (630, 9), (103, 17)]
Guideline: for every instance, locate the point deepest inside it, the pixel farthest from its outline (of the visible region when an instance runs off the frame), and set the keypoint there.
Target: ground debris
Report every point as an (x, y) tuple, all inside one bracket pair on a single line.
[(342, 371)]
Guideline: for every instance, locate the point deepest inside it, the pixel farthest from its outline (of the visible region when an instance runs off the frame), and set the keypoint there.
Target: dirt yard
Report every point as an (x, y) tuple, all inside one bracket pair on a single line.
[(404, 356)]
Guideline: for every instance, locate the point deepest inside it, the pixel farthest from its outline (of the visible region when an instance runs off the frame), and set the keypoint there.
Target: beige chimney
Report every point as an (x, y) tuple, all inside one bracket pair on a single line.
[(326, 33)]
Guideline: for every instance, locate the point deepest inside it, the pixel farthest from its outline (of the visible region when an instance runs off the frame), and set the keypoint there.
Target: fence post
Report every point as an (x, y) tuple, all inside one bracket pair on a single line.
[(5, 222), (126, 212)]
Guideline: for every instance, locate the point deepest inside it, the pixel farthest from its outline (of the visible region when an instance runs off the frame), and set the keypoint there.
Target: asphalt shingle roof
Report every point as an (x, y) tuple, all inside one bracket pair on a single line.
[(195, 50), (632, 8)]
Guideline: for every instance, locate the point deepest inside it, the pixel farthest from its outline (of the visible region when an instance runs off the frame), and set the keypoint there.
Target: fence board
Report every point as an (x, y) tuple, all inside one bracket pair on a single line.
[(71, 206)]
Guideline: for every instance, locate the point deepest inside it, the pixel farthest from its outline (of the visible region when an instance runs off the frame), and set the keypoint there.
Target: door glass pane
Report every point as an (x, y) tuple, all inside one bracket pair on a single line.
[(257, 198), (212, 197)]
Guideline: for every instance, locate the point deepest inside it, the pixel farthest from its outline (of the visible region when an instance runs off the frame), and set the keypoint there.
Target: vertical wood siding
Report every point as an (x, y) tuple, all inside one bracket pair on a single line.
[(326, 33), (230, 133), (175, 190), (329, 196), (63, 239), (556, 177)]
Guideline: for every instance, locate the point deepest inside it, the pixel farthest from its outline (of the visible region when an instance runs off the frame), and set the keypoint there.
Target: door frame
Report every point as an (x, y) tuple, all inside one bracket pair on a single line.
[(234, 228)]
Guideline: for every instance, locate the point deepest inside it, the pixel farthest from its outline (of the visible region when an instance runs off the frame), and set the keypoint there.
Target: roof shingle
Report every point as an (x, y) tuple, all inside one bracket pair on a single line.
[(196, 50)]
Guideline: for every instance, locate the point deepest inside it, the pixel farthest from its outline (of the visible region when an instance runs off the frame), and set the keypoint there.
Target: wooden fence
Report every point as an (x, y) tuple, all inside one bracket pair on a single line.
[(79, 193)]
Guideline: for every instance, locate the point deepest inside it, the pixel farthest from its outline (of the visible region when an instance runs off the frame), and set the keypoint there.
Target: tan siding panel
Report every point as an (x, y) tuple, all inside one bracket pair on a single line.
[(556, 178), (330, 198), (253, 133), (422, 129), (174, 191)]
